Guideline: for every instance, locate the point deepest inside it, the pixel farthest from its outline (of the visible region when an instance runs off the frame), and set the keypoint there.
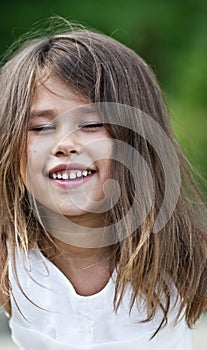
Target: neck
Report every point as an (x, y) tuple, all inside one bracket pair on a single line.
[(82, 258), (88, 269), (86, 231)]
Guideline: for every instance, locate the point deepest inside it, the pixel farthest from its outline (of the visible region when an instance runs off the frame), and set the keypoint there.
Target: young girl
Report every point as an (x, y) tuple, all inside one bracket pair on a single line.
[(103, 243)]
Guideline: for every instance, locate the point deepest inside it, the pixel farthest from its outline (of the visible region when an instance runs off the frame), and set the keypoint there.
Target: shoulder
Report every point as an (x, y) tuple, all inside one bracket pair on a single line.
[(4, 298)]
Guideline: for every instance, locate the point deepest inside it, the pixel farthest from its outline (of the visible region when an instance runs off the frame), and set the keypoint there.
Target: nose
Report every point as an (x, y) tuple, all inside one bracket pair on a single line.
[(66, 146)]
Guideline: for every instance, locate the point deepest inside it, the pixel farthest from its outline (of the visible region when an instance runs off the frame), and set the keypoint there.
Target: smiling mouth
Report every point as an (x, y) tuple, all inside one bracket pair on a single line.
[(71, 175)]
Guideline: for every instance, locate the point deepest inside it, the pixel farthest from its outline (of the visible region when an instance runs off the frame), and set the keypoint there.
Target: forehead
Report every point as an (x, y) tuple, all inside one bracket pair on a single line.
[(53, 87), (53, 94)]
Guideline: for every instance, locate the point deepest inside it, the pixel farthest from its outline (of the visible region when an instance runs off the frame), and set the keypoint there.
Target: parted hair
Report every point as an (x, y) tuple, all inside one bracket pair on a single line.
[(104, 70)]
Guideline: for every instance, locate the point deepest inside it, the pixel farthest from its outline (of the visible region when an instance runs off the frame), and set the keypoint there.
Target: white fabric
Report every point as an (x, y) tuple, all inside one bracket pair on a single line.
[(57, 318)]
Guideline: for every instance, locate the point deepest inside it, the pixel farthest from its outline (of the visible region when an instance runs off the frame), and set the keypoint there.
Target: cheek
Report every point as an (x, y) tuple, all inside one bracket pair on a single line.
[(102, 148), (38, 150), (106, 153), (32, 162)]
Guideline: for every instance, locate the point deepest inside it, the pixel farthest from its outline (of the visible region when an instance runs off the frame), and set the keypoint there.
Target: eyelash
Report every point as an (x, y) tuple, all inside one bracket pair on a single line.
[(91, 126), (45, 127), (40, 128)]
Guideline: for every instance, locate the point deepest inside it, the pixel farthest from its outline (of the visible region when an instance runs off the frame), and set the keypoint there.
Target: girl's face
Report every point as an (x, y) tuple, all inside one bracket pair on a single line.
[(69, 152)]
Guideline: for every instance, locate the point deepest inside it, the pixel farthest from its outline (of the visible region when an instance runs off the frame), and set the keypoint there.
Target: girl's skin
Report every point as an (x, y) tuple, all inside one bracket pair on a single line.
[(72, 139), (66, 140)]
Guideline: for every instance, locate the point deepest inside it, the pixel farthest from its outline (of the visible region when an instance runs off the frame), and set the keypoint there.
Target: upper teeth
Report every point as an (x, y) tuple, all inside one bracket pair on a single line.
[(71, 175)]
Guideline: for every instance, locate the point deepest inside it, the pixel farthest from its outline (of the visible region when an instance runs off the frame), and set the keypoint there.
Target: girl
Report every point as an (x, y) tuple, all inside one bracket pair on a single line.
[(103, 244)]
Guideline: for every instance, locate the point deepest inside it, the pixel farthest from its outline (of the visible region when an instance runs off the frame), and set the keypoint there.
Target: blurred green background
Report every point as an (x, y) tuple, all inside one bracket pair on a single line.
[(171, 35)]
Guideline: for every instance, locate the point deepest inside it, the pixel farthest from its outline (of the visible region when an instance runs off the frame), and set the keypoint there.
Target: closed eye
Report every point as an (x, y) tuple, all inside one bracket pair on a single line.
[(91, 125), (43, 127)]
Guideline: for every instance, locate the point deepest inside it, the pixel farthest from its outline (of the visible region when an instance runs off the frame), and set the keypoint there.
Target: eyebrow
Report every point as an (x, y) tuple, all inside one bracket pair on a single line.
[(50, 113)]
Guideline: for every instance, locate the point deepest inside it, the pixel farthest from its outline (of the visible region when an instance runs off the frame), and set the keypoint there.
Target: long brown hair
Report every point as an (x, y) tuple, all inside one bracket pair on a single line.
[(104, 70)]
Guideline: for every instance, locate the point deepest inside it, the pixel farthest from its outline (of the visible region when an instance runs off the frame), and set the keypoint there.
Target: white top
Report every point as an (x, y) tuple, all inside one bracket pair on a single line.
[(57, 318)]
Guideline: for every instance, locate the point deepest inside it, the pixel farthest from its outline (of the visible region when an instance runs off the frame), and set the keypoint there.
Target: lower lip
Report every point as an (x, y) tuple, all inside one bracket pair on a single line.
[(72, 183)]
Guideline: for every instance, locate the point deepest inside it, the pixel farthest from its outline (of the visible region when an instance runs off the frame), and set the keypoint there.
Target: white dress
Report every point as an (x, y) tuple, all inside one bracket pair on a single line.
[(57, 318)]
